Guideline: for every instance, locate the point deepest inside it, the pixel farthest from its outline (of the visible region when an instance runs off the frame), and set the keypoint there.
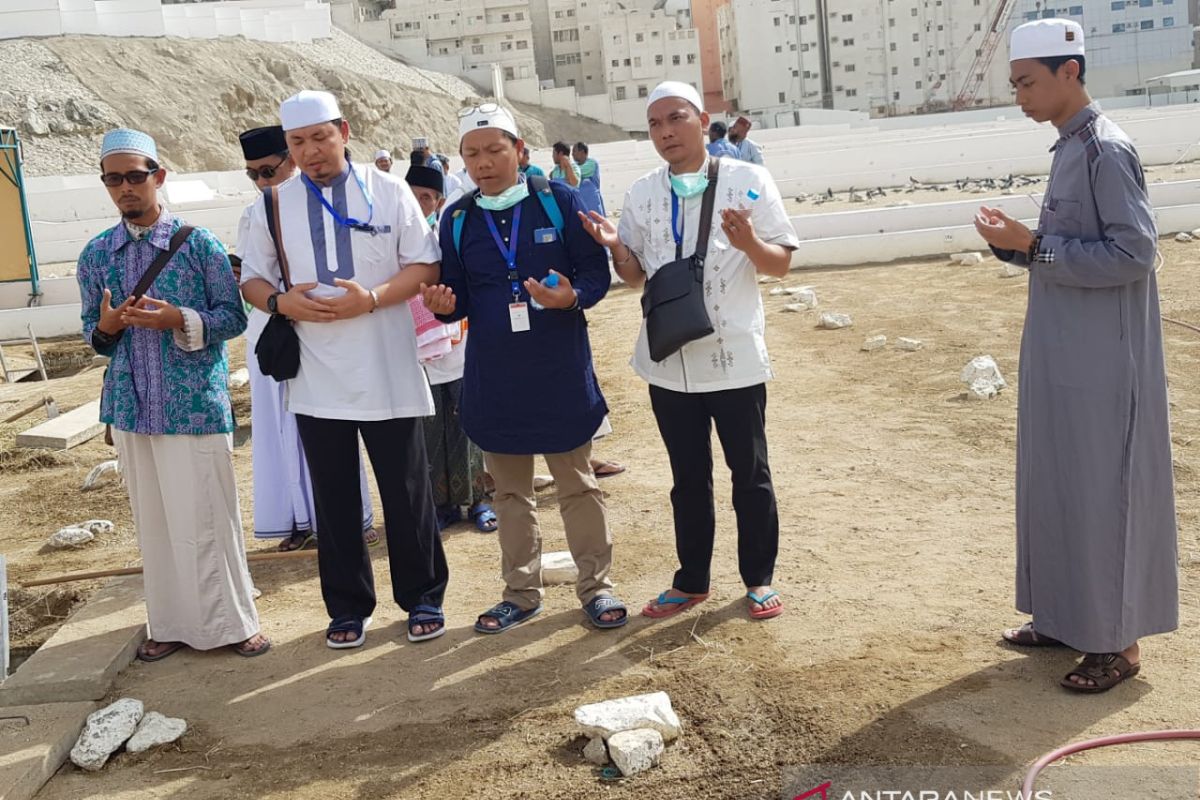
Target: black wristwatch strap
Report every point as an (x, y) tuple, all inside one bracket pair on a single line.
[(273, 303)]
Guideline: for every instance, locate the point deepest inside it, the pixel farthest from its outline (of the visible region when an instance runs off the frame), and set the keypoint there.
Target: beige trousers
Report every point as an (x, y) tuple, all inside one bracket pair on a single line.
[(189, 528), (585, 519)]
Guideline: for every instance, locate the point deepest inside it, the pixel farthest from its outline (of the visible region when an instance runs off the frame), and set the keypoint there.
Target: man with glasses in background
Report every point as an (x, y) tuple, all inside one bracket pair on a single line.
[(283, 504), (159, 298)]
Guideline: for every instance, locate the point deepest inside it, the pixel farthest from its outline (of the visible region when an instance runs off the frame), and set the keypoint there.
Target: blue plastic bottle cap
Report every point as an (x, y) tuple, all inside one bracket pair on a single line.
[(550, 281), (753, 195)]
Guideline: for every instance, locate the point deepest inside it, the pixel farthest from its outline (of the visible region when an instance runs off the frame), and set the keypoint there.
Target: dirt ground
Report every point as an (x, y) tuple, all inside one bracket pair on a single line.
[(896, 564)]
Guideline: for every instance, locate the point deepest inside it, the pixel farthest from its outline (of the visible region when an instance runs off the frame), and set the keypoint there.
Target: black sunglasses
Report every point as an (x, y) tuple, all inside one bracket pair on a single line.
[(135, 178), (265, 172)]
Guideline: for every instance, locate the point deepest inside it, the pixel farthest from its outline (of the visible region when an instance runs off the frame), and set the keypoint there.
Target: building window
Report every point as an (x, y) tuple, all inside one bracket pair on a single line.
[(848, 43), (619, 93), (891, 47), (691, 58), (776, 21), (558, 14), (570, 81), (658, 60), (642, 92), (916, 37), (895, 95), (627, 62), (1145, 3), (505, 18), (1118, 27), (675, 61), (778, 48), (637, 61), (895, 70), (782, 98), (849, 68), (506, 46), (852, 93), (916, 62), (1147, 24), (616, 62), (1168, 22), (1075, 11), (917, 85), (847, 18), (476, 49), (522, 45), (509, 74)]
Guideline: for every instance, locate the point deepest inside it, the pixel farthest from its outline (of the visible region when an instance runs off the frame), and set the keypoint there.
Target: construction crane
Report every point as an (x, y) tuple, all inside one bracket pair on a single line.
[(984, 55)]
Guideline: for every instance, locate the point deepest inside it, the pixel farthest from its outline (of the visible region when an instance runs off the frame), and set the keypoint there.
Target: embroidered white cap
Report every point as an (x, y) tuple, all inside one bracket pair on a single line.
[(487, 115), (383, 154), (676, 89), (308, 108), (1046, 38)]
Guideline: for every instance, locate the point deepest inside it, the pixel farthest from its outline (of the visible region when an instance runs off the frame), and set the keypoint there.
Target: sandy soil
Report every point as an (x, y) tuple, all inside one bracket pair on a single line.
[(896, 501)]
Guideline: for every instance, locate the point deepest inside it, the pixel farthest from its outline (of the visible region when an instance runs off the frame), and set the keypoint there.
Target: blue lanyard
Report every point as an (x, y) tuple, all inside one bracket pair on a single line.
[(509, 251), (676, 225), (347, 222)]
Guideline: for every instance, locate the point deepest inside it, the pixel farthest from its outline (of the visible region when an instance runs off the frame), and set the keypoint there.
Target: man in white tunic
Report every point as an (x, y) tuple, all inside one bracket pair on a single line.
[(357, 248), (166, 397), (1096, 534), (721, 378), (283, 505)]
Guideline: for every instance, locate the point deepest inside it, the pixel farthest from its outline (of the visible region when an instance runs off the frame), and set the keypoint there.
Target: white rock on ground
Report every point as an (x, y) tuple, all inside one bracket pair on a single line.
[(1183, 237), (71, 536), (595, 751), (559, 568), (239, 378), (1196, 233), (778, 291), (804, 295), (1010, 271), (981, 390), (99, 471), (155, 729), (635, 751), (983, 368), (911, 345), (630, 713), (105, 731), (795, 308), (831, 321), (967, 259), (769, 279), (99, 527), (874, 343)]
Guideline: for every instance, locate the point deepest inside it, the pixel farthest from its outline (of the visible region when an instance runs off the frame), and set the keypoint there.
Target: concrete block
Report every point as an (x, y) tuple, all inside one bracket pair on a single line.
[(31, 754), (66, 430), (911, 345), (635, 751), (628, 714), (81, 660)]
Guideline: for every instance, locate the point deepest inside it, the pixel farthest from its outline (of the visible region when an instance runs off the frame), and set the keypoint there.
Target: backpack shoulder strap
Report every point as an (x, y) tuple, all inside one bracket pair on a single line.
[(545, 195), (177, 240), (458, 218)]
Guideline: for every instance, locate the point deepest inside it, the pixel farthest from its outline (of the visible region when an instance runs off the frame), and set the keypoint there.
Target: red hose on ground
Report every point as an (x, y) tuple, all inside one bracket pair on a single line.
[(1103, 741)]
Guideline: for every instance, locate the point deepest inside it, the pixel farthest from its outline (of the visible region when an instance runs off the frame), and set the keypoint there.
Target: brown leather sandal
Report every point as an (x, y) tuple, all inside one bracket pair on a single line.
[(1105, 670), (1026, 636)]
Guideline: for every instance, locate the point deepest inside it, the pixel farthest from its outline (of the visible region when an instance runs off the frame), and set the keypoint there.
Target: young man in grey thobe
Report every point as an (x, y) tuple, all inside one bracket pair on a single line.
[(1096, 537)]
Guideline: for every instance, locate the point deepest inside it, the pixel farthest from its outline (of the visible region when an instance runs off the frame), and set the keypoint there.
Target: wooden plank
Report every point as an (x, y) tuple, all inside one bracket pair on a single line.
[(65, 431)]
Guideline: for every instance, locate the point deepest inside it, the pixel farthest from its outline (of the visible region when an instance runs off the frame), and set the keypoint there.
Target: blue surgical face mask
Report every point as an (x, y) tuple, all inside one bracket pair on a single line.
[(689, 185), (432, 219), (506, 199)]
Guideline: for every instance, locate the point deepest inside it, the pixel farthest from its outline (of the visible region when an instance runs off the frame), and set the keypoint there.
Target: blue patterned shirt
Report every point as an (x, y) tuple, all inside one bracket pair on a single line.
[(153, 384)]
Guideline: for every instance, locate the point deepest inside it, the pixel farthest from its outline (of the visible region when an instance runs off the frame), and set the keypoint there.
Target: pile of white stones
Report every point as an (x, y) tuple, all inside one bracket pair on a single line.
[(125, 722), (630, 731), (79, 535)]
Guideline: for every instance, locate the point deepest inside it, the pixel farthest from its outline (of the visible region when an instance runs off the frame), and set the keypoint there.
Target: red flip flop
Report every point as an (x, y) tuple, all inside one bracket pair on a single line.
[(764, 613), (677, 605)]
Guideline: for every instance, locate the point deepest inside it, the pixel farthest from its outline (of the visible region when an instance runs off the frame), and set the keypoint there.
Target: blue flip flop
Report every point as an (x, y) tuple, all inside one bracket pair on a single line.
[(426, 615), (348, 624), (602, 604), (485, 518), (508, 615)]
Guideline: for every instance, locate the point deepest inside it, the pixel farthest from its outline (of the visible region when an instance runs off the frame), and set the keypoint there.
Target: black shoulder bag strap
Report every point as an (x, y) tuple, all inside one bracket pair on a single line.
[(706, 215), (156, 267), (271, 205)]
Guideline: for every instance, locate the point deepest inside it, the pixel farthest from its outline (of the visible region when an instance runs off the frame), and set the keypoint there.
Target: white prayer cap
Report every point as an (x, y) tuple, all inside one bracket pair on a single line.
[(308, 108), (676, 89), (487, 115), (383, 154), (1046, 38)]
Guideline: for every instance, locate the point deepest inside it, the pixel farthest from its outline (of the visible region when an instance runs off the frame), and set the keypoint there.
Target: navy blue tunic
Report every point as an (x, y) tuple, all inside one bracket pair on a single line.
[(535, 391)]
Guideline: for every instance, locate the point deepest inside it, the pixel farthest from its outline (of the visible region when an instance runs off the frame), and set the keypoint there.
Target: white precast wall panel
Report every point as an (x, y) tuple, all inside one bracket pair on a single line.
[(130, 18), (29, 18), (78, 16)]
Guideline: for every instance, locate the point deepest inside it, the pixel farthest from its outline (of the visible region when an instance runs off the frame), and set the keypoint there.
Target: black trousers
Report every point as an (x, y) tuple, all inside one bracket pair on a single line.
[(396, 448), (685, 423)]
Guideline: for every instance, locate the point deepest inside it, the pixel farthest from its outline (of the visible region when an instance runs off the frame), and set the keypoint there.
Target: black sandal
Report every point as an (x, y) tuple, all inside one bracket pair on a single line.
[(1026, 636), (1105, 670), (299, 540)]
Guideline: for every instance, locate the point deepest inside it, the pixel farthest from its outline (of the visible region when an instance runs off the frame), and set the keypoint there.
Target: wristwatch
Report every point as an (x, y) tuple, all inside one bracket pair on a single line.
[(273, 303)]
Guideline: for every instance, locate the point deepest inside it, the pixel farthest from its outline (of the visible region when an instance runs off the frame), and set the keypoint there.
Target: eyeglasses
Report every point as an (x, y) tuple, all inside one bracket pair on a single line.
[(135, 178), (484, 108), (265, 172)]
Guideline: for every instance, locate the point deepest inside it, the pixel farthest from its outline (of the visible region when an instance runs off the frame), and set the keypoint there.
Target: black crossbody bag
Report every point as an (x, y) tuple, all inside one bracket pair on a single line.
[(673, 300), (278, 348)]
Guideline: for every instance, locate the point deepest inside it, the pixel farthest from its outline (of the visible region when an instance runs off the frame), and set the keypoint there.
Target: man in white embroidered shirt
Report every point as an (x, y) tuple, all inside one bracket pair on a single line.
[(357, 247), (720, 378)]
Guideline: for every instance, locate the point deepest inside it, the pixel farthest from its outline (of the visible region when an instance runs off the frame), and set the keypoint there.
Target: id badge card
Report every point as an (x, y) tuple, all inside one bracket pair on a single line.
[(518, 317)]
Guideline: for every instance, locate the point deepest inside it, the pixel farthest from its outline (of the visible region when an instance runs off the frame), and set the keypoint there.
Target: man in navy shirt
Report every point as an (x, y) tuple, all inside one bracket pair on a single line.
[(517, 261)]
